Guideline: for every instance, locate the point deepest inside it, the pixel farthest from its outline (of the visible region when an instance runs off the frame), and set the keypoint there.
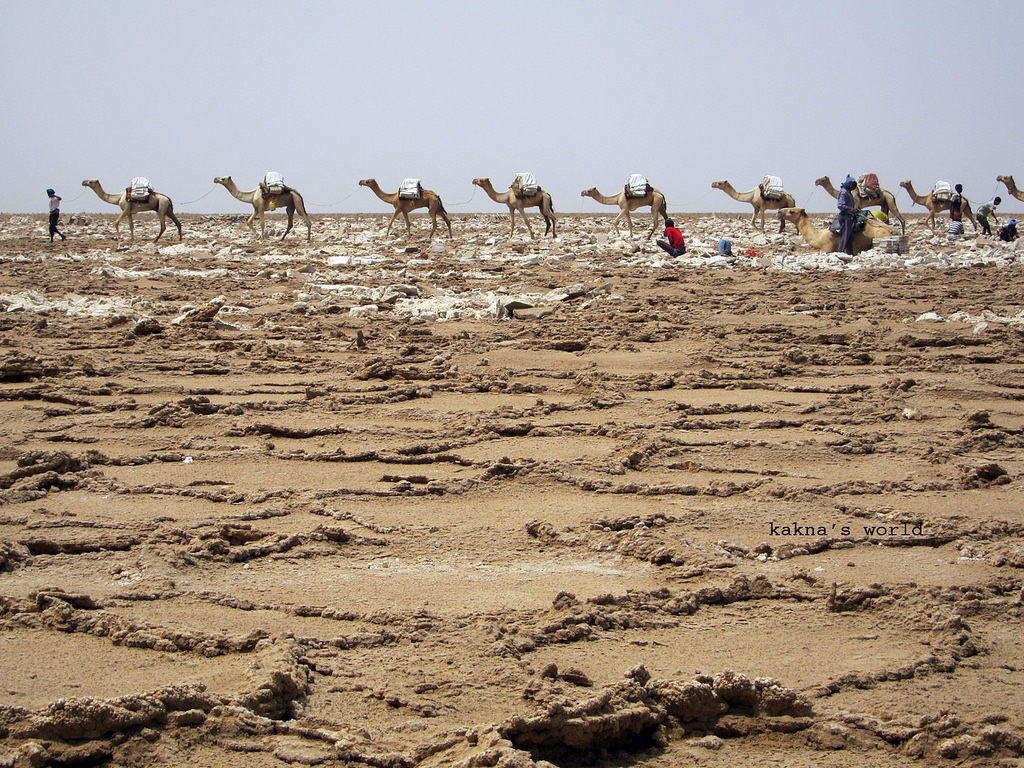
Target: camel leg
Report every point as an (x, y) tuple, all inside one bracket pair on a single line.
[(615, 222), (117, 224), (163, 225), (305, 217), (432, 210), (251, 223), (131, 224), (447, 222), (522, 212), (176, 223), (291, 213), (512, 215), (390, 222), (408, 224)]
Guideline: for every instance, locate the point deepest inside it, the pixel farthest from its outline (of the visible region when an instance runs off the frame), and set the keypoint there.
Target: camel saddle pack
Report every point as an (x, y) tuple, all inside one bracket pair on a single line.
[(771, 188), (638, 186), (273, 184), (411, 189), (868, 186), (525, 185), (139, 190), (942, 191)]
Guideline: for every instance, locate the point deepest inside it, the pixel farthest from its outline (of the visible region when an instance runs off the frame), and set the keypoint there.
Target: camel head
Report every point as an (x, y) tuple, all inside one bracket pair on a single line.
[(719, 184), (906, 185), (589, 192), (225, 180), (481, 181), (1007, 180), (91, 183), (367, 182), (791, 214), (824, 181)]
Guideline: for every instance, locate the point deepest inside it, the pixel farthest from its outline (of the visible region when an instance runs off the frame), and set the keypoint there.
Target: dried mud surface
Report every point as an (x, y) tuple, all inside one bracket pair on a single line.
[(493, 502)]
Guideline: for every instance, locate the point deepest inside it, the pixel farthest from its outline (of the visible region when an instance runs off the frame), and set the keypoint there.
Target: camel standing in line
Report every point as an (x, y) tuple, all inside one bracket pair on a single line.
[(427, 199), (260, 201), (828, 241), (887, 201), (655, 199), (756, 199), (539, 199), (937, 206), (157, 201), (1011, 186)]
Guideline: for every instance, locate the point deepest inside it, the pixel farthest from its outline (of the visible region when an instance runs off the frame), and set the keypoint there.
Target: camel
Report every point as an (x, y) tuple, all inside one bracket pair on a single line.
[(540, 199), (936, 206), (826, 240), (427, 199), (887, 202), (655, 199), (1011, 186), (157, 202), (260, 201), (755, 198)]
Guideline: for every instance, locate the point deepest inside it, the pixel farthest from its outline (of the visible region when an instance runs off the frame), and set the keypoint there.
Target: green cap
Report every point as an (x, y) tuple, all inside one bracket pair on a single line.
[(49, 191)]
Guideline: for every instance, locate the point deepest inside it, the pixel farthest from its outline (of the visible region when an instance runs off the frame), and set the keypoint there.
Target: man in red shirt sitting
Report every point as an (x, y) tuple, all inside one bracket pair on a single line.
[(674, 245)]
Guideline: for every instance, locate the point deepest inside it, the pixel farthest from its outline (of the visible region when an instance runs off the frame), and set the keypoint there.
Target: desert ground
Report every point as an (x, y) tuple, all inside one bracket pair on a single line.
[(491, 501)]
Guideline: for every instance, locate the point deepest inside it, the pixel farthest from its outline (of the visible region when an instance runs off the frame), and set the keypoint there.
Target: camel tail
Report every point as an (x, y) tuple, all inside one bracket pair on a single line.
[(440, 206)]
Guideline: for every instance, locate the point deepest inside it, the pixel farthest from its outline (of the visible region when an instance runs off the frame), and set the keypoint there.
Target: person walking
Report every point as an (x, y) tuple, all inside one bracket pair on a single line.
[(847, 215), (674, 245), (54, 214), (985, 210)]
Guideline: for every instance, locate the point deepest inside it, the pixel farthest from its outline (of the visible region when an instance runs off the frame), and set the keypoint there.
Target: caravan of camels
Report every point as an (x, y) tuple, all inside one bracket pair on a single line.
[(271, 193)]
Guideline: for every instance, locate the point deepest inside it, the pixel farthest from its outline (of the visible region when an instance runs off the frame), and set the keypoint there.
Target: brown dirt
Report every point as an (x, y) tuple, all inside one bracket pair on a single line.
[(241, 523)]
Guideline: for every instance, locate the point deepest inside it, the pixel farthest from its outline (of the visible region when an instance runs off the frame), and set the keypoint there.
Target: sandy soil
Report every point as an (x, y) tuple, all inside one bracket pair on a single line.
[(499, 502)]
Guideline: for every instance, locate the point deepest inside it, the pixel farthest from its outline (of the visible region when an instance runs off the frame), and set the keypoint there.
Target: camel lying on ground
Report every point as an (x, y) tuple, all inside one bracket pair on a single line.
[(427, 199), (756, 198), (887, 201), (655, 199), (828, 241), (539, 199), (260, 200), (937, 206), (155, 202)]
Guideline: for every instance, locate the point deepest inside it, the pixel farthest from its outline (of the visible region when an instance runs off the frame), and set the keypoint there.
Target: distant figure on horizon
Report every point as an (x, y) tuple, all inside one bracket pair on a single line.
[(847, 215), (54, 214), (984, 211), (674, 245)]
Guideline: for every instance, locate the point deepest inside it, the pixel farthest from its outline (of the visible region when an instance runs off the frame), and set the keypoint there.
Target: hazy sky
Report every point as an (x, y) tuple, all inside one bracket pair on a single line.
[(579, 92)]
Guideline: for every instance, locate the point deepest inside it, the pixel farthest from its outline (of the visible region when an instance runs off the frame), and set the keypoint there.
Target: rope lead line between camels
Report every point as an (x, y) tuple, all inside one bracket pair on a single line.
[(190, 202), (339, 202), (468, 201)]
